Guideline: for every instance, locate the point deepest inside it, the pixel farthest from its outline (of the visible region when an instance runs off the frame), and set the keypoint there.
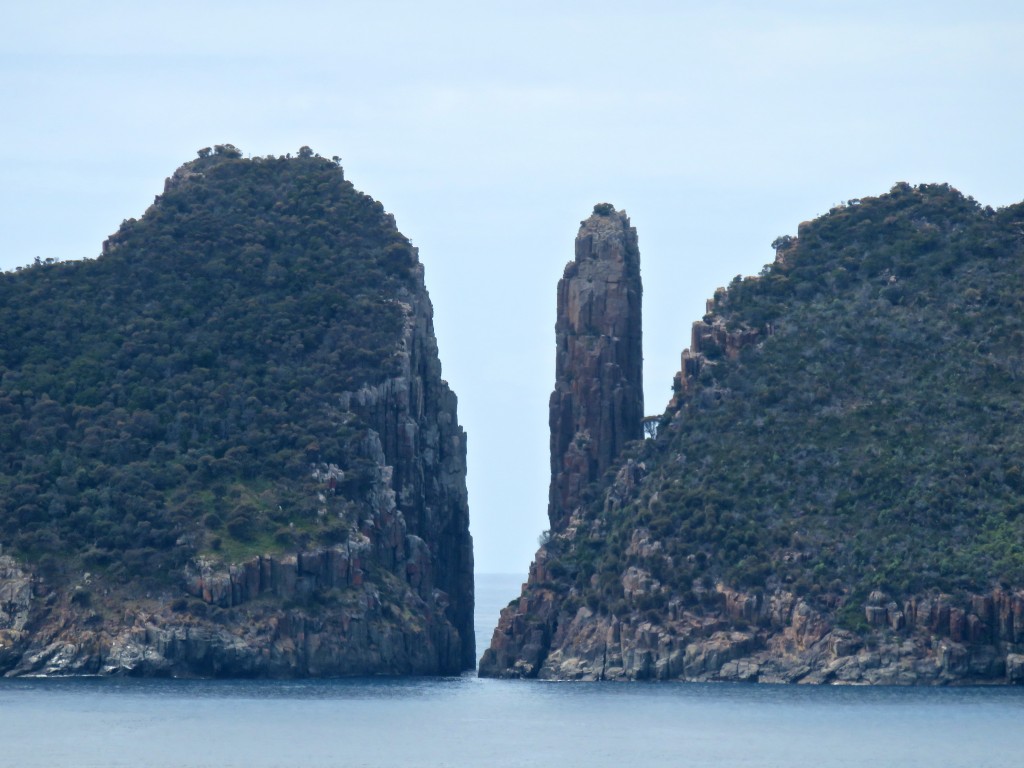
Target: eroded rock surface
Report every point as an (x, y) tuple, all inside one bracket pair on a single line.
[(778, 638), (598, 404), (597, 407)]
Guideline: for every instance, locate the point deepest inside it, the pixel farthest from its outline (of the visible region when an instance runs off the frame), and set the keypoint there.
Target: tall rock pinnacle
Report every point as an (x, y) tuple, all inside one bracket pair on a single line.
[(598, 402)]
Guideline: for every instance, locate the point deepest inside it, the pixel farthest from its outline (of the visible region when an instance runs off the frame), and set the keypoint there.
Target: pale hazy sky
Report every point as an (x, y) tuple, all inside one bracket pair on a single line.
[(490, 130)]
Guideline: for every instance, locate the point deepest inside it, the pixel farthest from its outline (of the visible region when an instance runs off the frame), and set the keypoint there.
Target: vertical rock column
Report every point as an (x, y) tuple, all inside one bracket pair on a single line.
[(598, 402), (596, 408), (422, 442)]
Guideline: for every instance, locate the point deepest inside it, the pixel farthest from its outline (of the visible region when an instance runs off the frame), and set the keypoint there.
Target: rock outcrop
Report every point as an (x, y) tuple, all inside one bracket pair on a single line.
[(779, 638), (309, 614), (324, 530), (597, 405), (718, 633), (422, 450), (833, 495)]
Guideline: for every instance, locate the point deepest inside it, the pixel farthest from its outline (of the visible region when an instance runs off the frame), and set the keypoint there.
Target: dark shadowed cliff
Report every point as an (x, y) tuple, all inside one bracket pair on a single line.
[(225, 445), (834, 493)]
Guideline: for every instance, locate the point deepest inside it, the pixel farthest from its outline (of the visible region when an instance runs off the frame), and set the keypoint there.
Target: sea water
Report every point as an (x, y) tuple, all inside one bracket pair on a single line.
[(469, 722)]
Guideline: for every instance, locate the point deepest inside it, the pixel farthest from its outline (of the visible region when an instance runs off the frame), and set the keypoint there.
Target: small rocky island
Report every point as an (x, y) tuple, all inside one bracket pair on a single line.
[(834, 492), (226, 448)]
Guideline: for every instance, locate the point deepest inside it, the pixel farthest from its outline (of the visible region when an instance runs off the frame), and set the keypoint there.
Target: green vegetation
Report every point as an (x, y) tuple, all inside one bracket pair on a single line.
[(871, 437), (173, 395)]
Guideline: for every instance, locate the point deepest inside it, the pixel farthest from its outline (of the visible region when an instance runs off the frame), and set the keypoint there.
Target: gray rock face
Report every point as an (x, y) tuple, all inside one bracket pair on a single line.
[(598, 404), (235, 625), (421, 441), (15, 606), (596, 408), (396, 597), (776, 637)]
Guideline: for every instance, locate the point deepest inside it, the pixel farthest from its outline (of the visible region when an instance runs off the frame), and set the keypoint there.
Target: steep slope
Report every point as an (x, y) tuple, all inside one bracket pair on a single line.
[(225, 445), (834, 492)]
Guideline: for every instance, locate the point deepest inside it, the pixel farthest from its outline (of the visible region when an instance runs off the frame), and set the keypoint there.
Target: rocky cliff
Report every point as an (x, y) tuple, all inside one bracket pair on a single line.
[(833, 494), (597, 405), (268, 478)]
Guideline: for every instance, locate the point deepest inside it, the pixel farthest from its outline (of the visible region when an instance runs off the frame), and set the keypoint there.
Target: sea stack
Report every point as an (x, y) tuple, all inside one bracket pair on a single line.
[(596, 408), (598, 402)]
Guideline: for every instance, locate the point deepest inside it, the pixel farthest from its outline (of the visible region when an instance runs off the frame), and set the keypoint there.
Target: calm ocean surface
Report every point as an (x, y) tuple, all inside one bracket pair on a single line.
[(468, 722)]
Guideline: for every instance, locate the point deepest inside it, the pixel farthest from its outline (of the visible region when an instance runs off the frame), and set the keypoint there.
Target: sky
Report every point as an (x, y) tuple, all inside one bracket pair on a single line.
[(490, 131)]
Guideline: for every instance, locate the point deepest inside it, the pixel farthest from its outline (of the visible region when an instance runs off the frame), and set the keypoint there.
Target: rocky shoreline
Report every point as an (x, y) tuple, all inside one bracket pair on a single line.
[(783, 639)]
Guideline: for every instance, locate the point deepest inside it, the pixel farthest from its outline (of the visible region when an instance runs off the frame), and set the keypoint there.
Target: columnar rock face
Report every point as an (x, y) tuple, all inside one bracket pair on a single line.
[(596, 408), (598, 402), (421, 440)]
